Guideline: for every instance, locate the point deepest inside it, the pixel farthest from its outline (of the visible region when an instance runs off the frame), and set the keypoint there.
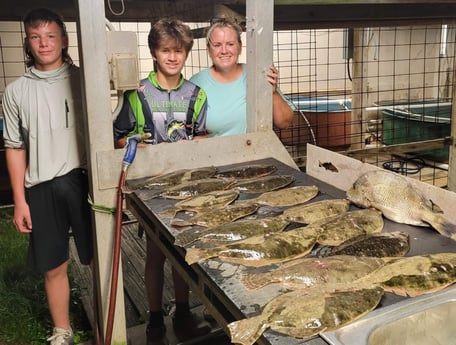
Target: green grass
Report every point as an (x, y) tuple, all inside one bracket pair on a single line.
[(24, 314)]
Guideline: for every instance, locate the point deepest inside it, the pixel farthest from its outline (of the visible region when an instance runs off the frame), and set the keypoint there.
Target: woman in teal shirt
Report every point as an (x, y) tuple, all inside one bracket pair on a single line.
[(225, 83)]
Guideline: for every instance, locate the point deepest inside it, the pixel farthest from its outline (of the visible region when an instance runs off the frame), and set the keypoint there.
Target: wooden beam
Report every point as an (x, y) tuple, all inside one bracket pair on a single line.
[(259, 32), (97, 107), (401, 148)]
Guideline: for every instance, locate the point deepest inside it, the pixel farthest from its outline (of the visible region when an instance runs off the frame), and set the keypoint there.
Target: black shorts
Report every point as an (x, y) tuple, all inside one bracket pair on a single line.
[(56, 207)]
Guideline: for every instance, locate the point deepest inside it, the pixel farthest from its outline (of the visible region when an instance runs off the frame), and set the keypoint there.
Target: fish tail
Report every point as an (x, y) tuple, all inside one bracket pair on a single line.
[(179, 222), (185, 238), (247, 331), (147, 194), (168, 213), (252, 281), (443, 226), (194, 255), (241, 201)]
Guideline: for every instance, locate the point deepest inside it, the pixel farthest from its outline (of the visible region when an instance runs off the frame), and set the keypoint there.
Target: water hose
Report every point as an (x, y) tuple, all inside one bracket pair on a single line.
[(130, 153)]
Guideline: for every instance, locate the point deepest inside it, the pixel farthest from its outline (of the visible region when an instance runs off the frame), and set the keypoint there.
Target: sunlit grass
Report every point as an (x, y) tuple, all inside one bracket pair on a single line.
[(24, 315)]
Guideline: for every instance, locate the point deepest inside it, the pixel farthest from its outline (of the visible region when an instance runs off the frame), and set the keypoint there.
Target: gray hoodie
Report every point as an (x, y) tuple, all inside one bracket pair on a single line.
[(43, 114)]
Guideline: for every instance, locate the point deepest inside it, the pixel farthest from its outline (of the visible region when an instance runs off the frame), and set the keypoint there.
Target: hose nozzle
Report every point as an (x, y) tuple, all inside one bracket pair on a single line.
[(139, 137), (130, 148)]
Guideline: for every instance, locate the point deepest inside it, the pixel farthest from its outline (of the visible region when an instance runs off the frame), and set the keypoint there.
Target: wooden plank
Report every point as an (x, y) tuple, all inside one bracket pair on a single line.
[(401, 148), (133, 264), (133, 261), (349, 169), (83, 277)]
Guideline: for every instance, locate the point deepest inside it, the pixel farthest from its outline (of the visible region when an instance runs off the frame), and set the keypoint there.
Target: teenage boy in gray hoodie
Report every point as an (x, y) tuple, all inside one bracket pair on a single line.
[(46, 160)]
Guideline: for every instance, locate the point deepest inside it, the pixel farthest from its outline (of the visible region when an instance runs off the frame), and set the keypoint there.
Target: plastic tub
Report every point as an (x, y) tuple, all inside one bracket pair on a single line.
[(328, 122), (417, 121)]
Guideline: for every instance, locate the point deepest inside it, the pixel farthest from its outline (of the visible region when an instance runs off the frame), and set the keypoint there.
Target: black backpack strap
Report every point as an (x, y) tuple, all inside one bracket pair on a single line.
[(149, 122), (191, 111)]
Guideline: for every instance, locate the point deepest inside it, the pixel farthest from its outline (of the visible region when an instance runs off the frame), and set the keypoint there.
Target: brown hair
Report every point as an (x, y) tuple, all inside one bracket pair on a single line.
[(170, 29), (40, 16)]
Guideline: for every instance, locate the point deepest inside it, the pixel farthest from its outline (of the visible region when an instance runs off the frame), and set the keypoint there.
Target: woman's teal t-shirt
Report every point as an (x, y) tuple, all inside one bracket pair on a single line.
[(227, 103)]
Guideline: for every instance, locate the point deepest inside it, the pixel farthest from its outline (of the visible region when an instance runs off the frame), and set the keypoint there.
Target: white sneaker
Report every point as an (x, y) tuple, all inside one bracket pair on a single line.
[(61, 336)]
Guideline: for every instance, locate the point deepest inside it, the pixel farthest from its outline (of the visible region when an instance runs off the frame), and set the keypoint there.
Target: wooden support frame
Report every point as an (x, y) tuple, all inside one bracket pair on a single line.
[(97, 108)]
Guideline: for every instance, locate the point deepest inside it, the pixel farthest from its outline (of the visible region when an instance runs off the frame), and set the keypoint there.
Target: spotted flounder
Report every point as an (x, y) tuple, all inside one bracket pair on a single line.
[(334, 230), (414, 275), (231, 232), (385, 244), (217, 216), (172, 178), (303, 313), (260, 250), (285, 197), (247, 171), (265, 184), (338, 271), (398, 200), (203, 202), (311, 212), (192, 188)]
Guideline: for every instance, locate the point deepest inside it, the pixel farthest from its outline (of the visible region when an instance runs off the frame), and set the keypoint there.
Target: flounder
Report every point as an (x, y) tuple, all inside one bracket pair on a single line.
[(217, 216), (247, 171), (260, 250), (231, 232), (203, 202), (171, 179), (192, 188), (339, 270), (311, 212), (385, 244), (414, 275), (285, 197), (398, 200), (337, 229), (265, 184), (302, 313)]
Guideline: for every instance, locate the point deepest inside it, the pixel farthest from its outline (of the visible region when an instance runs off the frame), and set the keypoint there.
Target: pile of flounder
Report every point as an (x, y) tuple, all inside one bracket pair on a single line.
[(360, 261)]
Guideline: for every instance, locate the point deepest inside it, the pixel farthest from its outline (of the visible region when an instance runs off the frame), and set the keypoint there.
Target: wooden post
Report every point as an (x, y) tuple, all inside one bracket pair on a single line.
[(97, 106), (259, 31)]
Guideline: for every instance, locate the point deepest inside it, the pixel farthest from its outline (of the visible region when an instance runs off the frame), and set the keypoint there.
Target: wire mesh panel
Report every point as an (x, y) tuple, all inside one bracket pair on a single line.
[(351, 88)]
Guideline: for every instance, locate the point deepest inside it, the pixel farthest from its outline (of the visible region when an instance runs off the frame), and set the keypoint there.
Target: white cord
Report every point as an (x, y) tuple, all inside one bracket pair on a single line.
[(310, 127), (118, 13)]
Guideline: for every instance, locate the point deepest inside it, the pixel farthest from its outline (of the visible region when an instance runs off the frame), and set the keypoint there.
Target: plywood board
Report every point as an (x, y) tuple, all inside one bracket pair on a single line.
[(341, 172)]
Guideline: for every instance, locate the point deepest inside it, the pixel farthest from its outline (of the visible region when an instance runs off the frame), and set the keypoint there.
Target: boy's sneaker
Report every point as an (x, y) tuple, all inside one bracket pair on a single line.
[(61, 336)]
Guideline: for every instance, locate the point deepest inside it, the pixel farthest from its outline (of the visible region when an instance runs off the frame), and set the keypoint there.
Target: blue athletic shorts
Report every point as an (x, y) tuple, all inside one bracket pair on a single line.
[(59, 208)]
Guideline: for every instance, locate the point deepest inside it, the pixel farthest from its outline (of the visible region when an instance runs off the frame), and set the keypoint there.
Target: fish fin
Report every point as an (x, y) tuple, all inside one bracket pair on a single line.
[(243, 202), (247, 331), (179, 222), (194, 255), (168, 213), (147, 194), (252, 281), (434, 207), (186, 238)]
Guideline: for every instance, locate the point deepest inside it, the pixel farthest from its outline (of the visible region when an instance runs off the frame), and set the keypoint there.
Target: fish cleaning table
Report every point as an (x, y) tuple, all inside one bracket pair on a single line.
[(217, 283)]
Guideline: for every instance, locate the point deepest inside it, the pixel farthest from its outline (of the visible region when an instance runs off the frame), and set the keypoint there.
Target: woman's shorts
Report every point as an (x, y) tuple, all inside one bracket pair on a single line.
[(59, 208)]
